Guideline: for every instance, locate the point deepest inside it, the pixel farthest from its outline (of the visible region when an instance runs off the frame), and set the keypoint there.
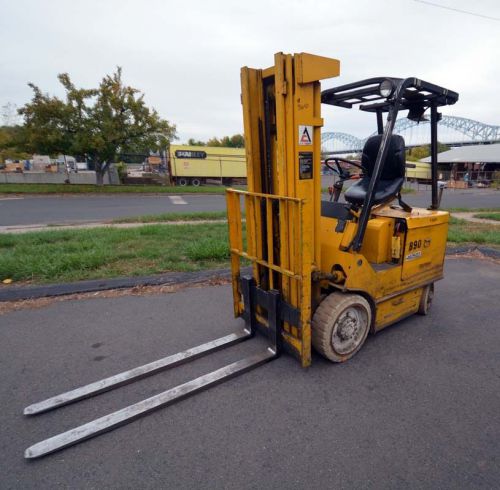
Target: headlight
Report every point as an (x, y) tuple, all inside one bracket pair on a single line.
[(386, 88)]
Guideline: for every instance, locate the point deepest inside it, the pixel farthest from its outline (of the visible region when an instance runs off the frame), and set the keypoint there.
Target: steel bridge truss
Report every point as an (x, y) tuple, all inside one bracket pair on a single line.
[(476, 132)]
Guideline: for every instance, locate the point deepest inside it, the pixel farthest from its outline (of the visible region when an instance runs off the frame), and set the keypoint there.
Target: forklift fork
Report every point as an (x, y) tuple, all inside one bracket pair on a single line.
[(270, 300)]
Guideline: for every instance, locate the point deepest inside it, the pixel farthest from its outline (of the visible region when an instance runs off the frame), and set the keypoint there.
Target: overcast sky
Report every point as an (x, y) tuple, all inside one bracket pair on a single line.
[(186, 55)]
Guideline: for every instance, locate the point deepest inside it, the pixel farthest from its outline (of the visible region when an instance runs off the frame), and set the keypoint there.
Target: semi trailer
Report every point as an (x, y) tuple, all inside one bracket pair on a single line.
[(195, 165)]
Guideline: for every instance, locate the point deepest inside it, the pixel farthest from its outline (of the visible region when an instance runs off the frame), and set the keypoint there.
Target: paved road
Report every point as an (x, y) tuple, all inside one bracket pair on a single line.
[(74, 209), (457, 198), (416, 408)]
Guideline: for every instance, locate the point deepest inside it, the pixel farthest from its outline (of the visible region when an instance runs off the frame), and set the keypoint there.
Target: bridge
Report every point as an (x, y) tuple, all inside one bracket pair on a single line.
[(453, 130)]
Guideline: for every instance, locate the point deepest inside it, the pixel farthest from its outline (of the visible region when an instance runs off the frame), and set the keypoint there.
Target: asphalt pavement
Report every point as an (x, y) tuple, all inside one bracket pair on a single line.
[(64, 208), (456, 198), (33, 210), (416, 408)]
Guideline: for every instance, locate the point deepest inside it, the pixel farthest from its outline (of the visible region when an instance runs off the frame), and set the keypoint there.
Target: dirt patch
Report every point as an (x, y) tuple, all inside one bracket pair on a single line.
[(9, 306), (472, 254)]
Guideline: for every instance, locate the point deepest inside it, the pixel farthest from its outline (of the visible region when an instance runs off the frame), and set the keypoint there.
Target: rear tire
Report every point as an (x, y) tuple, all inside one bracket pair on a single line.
[(182, 181), (340, 326), (426, 300), (196, 182)]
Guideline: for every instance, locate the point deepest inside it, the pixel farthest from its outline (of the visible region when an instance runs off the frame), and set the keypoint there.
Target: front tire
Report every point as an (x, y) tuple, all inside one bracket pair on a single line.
[(340, 326), (426, 300)]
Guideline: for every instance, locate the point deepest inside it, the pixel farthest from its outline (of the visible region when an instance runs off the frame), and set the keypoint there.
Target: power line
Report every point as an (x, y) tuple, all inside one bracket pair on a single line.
[(458, 10)]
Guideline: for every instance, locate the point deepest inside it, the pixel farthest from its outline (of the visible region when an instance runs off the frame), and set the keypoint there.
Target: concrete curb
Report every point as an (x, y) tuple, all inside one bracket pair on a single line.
[(85, 226), (12, 293)]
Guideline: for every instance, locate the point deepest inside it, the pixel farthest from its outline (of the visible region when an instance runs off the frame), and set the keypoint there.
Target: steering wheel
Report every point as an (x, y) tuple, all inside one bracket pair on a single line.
[(341, 171), (343, 174)]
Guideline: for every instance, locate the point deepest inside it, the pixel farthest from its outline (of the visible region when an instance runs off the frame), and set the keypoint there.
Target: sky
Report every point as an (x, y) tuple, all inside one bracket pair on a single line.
[(186, 55)]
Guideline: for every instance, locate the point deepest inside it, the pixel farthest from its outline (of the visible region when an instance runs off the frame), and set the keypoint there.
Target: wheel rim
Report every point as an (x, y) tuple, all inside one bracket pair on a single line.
[(349, 329)]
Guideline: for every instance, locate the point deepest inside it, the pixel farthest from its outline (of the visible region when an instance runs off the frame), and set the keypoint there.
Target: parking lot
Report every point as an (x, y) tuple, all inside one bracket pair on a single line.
[(416, 408)]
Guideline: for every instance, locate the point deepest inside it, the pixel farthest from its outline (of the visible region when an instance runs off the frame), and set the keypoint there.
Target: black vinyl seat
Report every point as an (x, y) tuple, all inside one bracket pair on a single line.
[(392, 175)]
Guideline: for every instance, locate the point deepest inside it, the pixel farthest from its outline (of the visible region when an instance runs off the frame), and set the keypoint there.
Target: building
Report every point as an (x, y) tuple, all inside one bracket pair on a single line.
[(473, 165)]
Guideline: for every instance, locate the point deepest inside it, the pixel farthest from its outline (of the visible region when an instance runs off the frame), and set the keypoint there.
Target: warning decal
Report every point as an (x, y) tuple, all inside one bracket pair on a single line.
[(305, 135), (305, 165)]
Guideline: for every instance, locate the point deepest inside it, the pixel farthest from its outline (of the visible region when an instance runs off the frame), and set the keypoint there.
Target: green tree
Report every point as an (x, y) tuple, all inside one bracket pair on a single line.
[(193, 142), (235, 141), (214, 142), (418, 152), (96, 123), (11, 143)]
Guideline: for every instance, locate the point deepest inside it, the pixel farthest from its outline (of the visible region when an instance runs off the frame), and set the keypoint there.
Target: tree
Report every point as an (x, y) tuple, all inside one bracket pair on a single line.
[(96, 123), (418, 152), (11, 143), (193, 142), (235, 141)]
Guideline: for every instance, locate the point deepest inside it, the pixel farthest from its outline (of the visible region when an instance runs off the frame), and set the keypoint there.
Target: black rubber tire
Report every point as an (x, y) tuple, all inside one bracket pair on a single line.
[(182, 181), (325, 318), (196, 182), (426, 300)]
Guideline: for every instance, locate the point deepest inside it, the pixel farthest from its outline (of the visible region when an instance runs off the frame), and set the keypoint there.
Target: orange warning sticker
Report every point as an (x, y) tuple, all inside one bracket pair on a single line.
[(305, 135)]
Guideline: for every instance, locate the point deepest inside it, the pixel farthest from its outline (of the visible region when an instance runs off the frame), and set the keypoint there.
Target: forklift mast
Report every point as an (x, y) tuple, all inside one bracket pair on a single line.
[(282, 124)]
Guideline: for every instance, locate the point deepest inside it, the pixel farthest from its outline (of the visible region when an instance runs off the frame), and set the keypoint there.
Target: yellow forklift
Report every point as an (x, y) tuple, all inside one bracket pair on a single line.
[(339, 269), (323, 273)]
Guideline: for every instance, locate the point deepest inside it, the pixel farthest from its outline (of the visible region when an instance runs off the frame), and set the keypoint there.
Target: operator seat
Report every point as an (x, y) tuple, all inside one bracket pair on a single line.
[(392, 175)]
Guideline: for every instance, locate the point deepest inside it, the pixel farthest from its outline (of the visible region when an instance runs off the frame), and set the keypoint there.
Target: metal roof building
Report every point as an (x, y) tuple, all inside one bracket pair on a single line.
[(470, 154)]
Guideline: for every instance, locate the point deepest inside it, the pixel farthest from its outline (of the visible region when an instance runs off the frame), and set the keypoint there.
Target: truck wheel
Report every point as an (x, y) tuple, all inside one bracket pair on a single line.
[(182, 181), (196, 182), (426, 299), (340, 326)]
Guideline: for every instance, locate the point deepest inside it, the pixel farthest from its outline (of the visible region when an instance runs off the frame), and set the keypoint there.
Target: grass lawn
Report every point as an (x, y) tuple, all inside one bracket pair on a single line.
[(462, 231), (72, 255), (107, 189), (492, 215), (166, 217)]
